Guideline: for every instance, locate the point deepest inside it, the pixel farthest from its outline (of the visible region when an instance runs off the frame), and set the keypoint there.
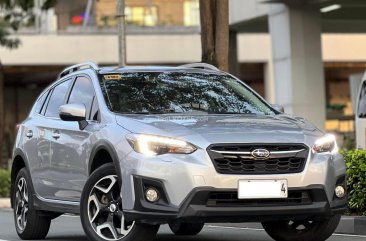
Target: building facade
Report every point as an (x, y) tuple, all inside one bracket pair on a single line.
[(166, 32)]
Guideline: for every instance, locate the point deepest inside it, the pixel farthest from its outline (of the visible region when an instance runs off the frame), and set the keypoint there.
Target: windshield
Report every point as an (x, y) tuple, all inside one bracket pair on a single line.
[(177, 92)]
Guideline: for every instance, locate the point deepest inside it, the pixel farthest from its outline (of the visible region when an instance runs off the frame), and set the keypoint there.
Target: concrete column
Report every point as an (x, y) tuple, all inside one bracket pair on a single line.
[(297, 60), (234, 67), (269, 84), (355, 81)]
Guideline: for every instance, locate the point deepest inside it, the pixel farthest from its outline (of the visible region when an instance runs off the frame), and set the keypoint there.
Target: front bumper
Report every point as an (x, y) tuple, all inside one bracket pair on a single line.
[(206, 205), (187, 181)]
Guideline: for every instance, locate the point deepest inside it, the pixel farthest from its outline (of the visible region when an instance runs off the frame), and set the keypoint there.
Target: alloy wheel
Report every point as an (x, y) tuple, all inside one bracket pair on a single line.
[(21, 204), (105, 210)]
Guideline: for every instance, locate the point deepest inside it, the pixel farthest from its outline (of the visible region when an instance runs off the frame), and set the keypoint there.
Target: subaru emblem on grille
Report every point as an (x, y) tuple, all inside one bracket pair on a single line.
[(260, 154)]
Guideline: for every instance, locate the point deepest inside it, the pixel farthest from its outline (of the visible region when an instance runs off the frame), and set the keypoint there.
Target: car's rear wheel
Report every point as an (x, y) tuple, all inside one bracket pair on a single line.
[(179, 228), (29, 223), (302, 230), (101, 210)]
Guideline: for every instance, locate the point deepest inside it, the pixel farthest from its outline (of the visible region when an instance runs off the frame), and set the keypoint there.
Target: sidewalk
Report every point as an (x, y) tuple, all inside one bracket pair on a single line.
[(348, 225)]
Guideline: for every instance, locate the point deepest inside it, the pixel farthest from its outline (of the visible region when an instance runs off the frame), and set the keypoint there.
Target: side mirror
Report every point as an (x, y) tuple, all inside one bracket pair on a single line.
[(279, 108), (74, 112)]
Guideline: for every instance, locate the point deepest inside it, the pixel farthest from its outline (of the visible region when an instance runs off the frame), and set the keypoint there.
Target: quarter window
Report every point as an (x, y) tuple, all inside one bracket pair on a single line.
[(40, 102), (82, 93), (57, 99)]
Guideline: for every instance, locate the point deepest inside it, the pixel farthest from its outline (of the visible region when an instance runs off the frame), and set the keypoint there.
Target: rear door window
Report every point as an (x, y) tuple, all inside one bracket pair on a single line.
[(57, 99)]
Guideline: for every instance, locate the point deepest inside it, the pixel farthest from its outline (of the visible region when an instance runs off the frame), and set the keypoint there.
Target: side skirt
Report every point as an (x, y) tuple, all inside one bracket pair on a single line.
[(57, 206)]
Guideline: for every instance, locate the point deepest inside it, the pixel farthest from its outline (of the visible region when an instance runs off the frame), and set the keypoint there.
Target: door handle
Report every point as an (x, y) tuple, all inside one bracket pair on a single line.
[(56, 135), (29, 134)]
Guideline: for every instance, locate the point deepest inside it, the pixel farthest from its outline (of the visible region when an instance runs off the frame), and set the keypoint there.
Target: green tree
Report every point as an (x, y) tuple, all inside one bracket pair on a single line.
[(14, 14)]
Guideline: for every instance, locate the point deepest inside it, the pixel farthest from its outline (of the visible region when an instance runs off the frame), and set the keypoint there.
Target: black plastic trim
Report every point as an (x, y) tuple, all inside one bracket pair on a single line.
[(194, 209), (163, 206), (107, 146), (55, 205), (142, 183)]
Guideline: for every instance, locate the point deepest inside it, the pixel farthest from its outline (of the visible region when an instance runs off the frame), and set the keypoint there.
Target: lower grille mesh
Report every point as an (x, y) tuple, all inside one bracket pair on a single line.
[(230, 199)]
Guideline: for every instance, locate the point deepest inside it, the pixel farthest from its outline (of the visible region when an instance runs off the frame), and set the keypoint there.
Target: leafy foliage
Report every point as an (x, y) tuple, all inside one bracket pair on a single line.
[(17, 13), (356, 180), (4, 183)]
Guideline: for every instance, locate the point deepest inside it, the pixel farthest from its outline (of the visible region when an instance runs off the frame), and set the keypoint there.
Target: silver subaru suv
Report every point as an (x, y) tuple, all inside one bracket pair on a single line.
[(131, 148)]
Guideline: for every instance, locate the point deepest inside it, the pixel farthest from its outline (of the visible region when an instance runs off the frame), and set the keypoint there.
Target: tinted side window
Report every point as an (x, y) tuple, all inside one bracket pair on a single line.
[(82, 93), (57, 99), (40, 102), (361, 110)]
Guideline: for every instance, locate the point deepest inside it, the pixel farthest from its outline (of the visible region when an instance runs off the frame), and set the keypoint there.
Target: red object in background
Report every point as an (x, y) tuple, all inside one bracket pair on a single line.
[(77, 20)]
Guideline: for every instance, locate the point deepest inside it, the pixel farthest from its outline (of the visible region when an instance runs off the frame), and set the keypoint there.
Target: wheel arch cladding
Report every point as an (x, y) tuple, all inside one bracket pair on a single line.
[(102, 153)]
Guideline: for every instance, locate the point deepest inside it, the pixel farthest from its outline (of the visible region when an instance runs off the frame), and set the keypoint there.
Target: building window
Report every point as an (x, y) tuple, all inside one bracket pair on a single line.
[(141, 15), (191, 13)]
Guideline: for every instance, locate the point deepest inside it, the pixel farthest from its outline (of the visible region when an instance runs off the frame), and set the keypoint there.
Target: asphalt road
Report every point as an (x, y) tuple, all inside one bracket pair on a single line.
[(69, 228)]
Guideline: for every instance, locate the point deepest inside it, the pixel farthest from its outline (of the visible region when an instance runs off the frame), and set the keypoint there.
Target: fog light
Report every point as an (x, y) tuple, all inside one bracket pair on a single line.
[(340, 192), (152, 195)]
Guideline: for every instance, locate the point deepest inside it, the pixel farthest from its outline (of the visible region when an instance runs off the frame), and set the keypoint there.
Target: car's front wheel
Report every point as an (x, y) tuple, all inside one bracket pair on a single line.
[(101, 210), (302, 230)]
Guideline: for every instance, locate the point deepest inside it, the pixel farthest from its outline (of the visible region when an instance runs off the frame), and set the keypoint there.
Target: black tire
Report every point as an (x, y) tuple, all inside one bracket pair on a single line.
[(179, 228), (34, 225), (302, 230), (93, 219)]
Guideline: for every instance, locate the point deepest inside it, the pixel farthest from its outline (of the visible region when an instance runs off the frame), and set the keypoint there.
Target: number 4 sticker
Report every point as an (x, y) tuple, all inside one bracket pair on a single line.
[(283, 188)]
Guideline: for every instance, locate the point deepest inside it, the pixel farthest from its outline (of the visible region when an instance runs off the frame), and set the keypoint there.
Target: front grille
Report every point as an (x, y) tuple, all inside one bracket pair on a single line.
[(230, 199), (238, 158)]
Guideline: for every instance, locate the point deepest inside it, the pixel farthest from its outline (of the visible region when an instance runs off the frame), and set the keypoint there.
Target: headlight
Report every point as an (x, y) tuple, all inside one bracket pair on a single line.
[(157, 145), (326, 143)]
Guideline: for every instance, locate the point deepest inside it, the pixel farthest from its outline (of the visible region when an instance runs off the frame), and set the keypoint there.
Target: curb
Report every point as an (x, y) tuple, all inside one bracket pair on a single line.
[(4, 202), (352, 225)]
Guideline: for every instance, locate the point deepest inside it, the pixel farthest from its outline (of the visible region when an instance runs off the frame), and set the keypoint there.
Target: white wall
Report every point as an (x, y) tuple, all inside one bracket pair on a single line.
[(150, 49), (69, 49), (335, 47)]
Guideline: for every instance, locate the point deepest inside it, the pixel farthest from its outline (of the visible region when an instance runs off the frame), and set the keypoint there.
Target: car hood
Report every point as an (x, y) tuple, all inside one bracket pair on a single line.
[(208, 129)]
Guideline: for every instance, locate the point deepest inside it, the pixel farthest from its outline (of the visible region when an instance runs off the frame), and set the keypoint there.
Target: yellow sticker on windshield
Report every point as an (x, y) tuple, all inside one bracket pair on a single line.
[(112, 77)]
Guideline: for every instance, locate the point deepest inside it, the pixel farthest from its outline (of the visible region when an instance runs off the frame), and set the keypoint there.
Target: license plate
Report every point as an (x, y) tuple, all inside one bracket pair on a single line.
[(255, 189)]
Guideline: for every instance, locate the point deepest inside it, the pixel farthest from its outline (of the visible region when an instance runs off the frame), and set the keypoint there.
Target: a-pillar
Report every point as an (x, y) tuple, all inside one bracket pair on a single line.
[(297, 60)]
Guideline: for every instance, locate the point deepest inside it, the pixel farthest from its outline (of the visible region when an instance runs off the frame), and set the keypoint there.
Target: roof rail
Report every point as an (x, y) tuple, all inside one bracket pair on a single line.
[(76, 67), (200, 66)]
